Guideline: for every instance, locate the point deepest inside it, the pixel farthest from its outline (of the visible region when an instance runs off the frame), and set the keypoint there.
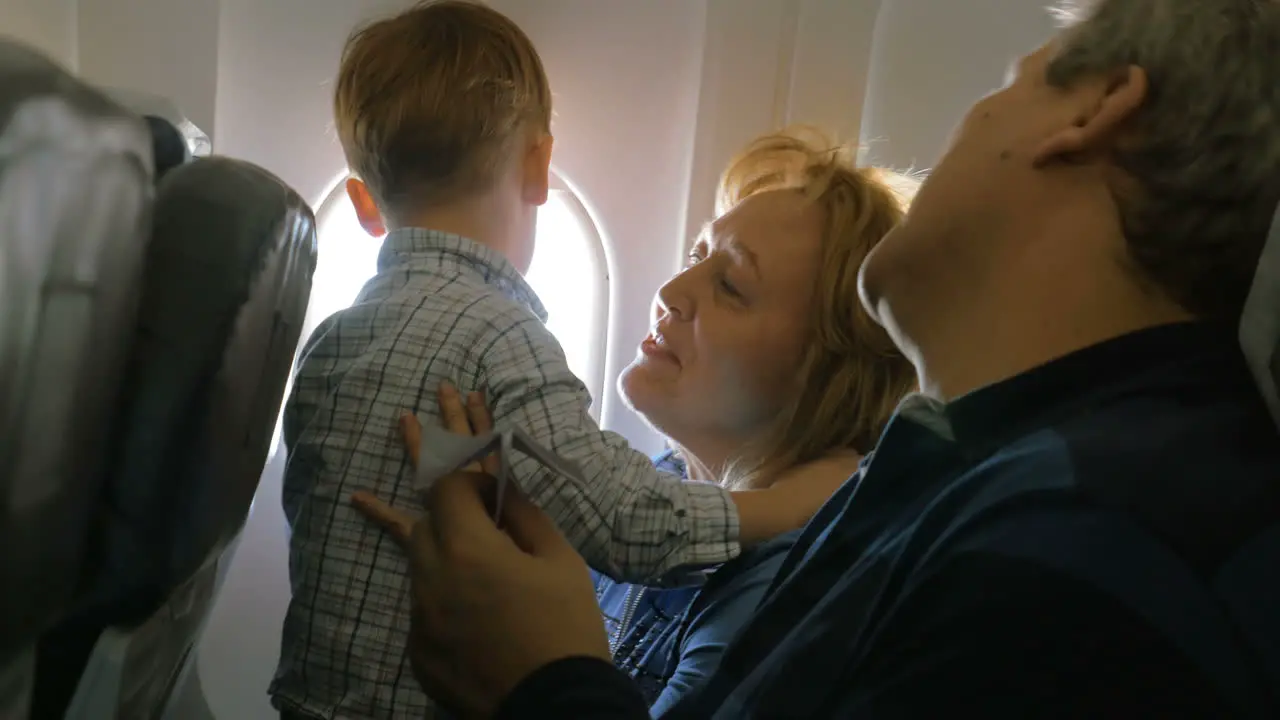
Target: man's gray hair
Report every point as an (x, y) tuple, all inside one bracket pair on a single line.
[(1204, 152)]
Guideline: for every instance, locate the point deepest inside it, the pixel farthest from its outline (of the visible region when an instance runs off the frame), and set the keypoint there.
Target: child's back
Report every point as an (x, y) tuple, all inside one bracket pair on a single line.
[(440, 308), (444, 114)]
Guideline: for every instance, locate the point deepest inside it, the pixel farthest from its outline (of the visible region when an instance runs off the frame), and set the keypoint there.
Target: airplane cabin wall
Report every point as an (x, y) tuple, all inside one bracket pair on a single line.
[(49, 25), (162, 47), (652, 98), (931, 60), (769, 63)]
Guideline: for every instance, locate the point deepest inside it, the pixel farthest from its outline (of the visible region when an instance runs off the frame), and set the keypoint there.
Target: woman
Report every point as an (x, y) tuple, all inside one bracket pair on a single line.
[(761, 359), (774, 364)]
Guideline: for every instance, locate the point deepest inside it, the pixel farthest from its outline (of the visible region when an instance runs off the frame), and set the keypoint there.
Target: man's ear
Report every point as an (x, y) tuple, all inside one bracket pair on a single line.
[(537, 170), (366, 209), (1107, 104)]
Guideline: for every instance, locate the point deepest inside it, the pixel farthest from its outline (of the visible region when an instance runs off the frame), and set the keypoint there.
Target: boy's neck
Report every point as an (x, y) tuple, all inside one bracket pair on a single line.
[(481, 220)]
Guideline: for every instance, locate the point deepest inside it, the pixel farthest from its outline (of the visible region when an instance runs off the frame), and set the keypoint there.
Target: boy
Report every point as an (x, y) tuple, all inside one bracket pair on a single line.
[(444, 114)]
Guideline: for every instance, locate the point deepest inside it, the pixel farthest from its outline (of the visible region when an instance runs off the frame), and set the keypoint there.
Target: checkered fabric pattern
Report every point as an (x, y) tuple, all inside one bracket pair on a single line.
[(442, 307)]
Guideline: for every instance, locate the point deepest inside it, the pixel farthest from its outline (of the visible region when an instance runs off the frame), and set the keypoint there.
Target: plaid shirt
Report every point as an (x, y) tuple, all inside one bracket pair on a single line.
[(444, 308)]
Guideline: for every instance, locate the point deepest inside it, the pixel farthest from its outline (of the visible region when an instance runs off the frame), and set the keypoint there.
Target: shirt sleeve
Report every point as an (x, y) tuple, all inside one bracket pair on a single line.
[(714, 627), (581, 688), (627, 519), (1000, 637)]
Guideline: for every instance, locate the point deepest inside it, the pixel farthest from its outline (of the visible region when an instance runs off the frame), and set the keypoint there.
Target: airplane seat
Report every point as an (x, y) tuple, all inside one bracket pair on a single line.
[(75, 194), (227, 281), (1248, 584), (168, 147)]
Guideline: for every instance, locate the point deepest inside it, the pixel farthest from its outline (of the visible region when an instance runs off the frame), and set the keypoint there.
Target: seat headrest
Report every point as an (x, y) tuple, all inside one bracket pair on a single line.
[(1260, 321), (230, 263), (157, 106), (39, 100), (75, 190), (167, 144), (217, 198)]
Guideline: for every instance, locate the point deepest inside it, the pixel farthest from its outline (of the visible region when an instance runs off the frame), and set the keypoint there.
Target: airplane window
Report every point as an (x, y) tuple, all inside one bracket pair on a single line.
[(568, 273)]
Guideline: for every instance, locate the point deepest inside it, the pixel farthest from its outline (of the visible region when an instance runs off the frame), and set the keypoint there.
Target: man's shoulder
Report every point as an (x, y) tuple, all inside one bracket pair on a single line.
[(762, 560), (1042, 521), (745, 578), (1199, 479)]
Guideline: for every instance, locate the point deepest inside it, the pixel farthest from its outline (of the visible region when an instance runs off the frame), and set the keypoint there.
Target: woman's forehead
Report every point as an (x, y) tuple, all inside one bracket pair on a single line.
[(772, 227)]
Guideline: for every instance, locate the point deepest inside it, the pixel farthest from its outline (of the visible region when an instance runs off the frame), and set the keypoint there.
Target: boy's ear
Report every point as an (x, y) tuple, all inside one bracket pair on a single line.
[(366, 209), (537, 170)]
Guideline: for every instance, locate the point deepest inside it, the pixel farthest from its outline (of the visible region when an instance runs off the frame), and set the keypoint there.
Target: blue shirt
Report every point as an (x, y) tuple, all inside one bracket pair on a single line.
[(1051, 546), (670, 640)]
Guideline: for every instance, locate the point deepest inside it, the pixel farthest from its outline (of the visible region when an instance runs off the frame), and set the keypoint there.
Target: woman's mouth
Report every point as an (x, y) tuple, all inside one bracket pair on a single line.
[(655, 347)]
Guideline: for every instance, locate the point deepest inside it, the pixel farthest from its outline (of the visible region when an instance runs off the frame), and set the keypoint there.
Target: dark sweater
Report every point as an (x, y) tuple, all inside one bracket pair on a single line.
[(1050, 546)]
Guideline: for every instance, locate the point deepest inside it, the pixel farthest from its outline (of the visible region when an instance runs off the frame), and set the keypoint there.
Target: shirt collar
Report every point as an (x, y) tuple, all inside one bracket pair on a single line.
[(1144, 361), (439, 251)]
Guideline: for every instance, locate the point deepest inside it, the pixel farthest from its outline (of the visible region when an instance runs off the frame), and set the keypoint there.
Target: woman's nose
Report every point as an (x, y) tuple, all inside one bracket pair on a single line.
[(671, 300)]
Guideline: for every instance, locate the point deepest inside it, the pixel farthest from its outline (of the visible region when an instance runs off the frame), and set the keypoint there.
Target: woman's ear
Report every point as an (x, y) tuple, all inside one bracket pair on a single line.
[(366, 209), (1107, 104)]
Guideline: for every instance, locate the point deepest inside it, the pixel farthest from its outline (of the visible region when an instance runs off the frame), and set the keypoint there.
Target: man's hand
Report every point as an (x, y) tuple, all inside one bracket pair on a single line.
[(490, 607), (470, 419)]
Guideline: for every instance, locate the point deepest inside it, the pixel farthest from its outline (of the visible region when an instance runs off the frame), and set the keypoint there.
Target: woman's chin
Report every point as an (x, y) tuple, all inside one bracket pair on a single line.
[(640, 390)]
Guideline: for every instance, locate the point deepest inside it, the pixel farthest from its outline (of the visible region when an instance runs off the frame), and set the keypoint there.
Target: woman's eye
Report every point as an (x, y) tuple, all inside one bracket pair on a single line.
[(729, 287), (693, 259)]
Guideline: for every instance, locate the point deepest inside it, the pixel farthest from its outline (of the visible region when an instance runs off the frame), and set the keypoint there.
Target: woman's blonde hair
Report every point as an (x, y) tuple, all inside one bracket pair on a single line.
[(852, 375)]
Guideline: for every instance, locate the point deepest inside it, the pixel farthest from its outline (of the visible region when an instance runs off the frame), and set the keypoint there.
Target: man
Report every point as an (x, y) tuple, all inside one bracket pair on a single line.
[(1046, 530)]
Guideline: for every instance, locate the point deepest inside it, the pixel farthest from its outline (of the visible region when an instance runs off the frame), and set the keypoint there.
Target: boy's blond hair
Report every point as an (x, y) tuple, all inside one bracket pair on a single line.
[(852, 374), (430, 102)]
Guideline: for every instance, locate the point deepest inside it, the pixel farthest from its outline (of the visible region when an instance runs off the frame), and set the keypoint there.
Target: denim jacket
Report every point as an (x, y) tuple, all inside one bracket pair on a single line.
[(670, 640)]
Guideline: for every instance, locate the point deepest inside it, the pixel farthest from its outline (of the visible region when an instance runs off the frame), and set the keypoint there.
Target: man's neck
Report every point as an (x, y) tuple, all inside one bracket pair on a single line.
[(1000, 342)]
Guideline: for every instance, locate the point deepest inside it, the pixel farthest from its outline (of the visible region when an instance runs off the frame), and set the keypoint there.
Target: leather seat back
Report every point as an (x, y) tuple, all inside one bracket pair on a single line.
[(227, 281), (168, 147), (1248, 585), (75, 194)]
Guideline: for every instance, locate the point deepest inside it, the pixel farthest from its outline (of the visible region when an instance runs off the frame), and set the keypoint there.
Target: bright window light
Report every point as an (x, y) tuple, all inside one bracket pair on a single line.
[(567, 272), (347, 257), (567, 275)]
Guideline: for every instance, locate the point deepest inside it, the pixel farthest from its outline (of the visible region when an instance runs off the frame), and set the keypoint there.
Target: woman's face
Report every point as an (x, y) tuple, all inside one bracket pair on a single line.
[(728, 331)]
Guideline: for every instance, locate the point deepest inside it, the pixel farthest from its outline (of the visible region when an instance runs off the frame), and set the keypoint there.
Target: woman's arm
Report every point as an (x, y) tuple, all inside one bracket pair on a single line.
[(792, 499)]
